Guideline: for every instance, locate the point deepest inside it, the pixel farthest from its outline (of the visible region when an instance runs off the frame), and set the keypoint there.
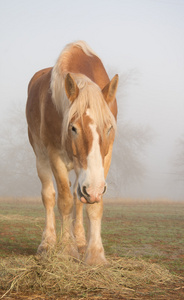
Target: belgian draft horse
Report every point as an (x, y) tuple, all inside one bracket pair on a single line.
[(71, 114)]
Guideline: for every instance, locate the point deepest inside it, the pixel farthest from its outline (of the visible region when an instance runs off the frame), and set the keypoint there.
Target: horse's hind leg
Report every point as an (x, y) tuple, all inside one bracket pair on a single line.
[(48, 198)]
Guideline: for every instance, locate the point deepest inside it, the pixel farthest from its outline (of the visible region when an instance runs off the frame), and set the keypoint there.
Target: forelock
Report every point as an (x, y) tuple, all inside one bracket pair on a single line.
[(90, 97)]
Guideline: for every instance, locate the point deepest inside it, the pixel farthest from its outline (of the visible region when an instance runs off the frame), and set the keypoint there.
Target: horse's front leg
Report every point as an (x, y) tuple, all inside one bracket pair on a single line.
[(65, 204), (95, 251), (79, 231)]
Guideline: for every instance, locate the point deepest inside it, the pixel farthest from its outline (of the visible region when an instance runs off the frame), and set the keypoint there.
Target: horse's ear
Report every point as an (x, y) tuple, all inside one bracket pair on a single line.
[(71, 88), (109, 91)]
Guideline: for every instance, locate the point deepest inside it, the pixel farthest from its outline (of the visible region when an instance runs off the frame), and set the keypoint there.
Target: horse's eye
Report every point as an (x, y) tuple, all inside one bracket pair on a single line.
[(74, 129)]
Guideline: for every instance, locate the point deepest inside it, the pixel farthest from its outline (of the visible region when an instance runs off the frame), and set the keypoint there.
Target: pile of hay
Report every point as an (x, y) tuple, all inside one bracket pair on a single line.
[(56, 274)]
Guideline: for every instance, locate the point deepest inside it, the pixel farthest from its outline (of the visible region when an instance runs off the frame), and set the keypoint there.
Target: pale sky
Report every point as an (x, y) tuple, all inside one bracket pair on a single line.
[(141, 37)]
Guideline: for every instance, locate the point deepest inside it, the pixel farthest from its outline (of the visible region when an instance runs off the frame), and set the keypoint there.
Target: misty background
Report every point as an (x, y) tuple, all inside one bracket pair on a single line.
[(142, 41)]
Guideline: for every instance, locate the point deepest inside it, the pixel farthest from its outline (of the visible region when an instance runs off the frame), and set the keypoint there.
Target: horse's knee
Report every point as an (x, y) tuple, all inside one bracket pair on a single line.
[(65, 203), (48, 194)]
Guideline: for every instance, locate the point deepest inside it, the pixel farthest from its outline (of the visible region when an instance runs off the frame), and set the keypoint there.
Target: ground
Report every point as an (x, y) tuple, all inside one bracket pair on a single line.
[(148, 230)]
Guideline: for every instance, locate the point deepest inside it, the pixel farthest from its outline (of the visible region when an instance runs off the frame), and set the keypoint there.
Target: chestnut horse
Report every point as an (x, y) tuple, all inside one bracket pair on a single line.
[(71, 114)]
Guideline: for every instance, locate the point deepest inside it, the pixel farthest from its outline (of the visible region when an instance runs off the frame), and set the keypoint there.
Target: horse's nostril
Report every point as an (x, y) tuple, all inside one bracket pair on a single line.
[(105, 188), (84, 191)]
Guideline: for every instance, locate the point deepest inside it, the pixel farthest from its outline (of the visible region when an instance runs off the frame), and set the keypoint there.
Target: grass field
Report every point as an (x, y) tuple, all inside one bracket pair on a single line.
[(150, 231)]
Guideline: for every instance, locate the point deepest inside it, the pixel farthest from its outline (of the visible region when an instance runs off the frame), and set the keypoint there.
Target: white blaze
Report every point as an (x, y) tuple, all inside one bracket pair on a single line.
[(93, 176)]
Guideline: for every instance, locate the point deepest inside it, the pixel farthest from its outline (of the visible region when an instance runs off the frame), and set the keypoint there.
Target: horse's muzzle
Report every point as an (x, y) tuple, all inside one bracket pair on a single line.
[(86, 198)]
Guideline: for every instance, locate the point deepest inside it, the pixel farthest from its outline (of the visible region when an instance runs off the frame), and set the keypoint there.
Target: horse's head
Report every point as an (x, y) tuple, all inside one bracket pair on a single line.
[(90, 134)]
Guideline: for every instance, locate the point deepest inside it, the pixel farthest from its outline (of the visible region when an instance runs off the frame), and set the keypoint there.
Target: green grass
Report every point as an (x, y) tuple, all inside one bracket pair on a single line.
[(152, 231)]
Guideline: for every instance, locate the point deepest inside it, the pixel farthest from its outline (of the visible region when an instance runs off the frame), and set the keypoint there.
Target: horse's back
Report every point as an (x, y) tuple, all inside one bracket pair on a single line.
[(77, 61), (38, 75), (38, 93)]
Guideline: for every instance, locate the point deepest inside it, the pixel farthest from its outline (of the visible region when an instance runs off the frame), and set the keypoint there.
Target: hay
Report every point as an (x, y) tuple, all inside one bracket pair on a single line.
[(56, 274)]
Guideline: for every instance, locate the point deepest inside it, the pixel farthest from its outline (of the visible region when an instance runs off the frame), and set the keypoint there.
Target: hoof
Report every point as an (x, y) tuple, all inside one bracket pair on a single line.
[(96, 261), (46, 245), (95, 257), (73, 252), (69, 249), (44, 248)]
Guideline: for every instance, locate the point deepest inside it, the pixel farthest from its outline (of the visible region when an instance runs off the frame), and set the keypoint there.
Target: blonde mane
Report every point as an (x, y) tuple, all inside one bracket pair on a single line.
[(90, 95)]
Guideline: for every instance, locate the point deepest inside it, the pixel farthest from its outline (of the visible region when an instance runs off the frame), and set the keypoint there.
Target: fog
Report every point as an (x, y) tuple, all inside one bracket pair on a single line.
[(143, 42)]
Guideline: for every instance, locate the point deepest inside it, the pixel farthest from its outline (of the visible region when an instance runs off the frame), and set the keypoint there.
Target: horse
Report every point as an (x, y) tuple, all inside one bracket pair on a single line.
[(71, 113)]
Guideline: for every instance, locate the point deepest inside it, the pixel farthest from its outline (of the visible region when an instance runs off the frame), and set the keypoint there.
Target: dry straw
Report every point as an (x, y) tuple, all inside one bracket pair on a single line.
[(55, 274)]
